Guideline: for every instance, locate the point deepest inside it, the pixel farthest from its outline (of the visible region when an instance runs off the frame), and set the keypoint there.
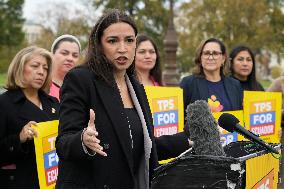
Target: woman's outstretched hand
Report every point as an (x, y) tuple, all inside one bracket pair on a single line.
[(90, 139)]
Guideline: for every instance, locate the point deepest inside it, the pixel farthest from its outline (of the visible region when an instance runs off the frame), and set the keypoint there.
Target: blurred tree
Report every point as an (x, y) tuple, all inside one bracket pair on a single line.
[(256, 23), (11, 35), (62, 21), (151, 16)]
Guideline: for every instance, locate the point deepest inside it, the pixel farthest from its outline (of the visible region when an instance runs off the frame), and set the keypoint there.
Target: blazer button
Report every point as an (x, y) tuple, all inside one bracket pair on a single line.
[(106, 186), (106, 146), (11, 148)]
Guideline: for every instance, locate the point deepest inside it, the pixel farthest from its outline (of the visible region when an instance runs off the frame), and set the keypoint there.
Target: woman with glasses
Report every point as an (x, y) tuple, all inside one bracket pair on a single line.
[(209, 80), (243, 68)]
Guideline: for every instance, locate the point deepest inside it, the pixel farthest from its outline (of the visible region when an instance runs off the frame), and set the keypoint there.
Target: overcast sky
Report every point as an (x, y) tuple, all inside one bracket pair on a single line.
[(32, 7)]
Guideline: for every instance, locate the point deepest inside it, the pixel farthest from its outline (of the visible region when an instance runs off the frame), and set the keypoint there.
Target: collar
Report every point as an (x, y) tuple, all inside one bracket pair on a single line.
[(56, 84), (18, 95)]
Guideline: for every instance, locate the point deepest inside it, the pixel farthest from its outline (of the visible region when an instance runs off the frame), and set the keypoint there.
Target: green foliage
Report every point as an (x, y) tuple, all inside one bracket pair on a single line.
[(256, 23), (2, 79), (11, 35), (265, 83), (276, 71), (11, 22)]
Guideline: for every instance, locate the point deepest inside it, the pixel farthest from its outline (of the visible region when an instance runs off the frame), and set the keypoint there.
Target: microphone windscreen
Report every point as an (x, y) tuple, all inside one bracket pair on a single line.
[(228, 122), (203, 129)]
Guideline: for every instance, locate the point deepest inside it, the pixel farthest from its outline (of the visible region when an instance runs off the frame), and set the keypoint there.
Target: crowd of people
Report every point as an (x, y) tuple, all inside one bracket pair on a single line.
[(105, 134)]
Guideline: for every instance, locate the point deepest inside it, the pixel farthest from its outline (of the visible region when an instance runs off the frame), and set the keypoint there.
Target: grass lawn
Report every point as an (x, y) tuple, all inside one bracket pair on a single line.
[(2, 79)]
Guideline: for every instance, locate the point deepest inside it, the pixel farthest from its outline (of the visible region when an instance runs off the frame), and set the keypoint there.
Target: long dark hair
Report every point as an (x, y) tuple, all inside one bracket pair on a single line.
[(95, 59), (198, 69), (252, 82), (156, 71)]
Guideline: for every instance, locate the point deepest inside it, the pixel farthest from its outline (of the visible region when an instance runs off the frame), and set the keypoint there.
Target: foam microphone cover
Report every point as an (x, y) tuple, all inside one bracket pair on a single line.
[(203, 129)]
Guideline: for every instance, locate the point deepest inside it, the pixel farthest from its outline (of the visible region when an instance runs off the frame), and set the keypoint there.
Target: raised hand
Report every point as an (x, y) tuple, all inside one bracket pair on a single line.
[(90, 139), (27, 132)]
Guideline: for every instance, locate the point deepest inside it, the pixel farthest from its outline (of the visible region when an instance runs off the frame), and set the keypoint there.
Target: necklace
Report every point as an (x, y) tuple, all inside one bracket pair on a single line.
[(130, 132)]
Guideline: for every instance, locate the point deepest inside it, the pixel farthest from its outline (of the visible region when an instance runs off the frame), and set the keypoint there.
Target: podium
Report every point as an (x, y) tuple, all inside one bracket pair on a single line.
[(247, 165)]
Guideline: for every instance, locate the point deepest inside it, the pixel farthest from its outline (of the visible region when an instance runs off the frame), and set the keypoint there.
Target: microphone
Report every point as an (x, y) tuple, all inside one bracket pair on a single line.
[(230, 123), (203, 130)]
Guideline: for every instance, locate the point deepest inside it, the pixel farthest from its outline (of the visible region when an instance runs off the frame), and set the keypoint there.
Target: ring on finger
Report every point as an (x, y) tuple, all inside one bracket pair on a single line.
[(30, 132)]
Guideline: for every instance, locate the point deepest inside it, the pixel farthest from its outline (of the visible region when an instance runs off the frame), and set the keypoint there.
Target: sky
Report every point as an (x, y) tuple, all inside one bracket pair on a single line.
[(33, 7)]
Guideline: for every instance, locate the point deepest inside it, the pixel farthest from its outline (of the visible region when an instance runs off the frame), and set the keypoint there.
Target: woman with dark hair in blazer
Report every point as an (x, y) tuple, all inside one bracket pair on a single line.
[(243, 68), (105, 137), (24, 104), (209, 80), (147, 62), (149, 73)]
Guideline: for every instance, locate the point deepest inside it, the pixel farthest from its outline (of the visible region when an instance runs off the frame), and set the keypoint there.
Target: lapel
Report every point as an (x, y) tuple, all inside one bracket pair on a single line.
[(50, 106), (202, 88), (230, 92), (29, 111), (111, 99), (136, 94), (143, 101)]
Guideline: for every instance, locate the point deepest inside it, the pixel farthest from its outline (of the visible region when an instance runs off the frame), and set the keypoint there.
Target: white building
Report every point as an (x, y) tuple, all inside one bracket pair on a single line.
[(32, 31)]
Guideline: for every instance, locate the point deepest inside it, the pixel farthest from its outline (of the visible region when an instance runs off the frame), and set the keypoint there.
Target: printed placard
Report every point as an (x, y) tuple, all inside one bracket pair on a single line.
[(262, 172), (266, 182), (227, 137), (262, 114), (166, 104), (46, 157), (262, 117)]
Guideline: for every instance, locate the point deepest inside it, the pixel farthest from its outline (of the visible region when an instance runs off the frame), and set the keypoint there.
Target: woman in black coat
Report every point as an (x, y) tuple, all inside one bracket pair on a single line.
[(105, 137), (22, 105)]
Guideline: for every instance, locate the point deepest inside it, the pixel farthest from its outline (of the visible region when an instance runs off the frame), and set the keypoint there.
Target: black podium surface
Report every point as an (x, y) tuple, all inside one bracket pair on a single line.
[(196, 172)]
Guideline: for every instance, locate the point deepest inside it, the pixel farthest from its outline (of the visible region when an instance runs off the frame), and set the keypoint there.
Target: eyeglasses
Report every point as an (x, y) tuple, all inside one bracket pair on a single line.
[(214, 54)]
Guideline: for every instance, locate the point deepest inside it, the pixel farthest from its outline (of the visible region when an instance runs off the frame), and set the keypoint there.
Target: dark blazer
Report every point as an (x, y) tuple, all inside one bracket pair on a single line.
[(196, 88), (16, 112), (81, 91), (171, 146)]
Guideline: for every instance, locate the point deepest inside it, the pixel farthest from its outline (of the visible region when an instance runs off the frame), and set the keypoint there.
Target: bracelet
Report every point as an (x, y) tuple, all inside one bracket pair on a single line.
[(84, 146)]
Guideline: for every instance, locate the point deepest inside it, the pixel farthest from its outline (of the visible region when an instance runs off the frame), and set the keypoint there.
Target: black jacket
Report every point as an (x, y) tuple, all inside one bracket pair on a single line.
[(16, 111), (196, 88), (81, 91)]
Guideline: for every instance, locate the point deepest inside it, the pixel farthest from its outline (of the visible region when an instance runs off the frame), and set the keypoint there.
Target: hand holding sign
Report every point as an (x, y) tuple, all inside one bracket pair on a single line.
[(27, 132), (90, 139)]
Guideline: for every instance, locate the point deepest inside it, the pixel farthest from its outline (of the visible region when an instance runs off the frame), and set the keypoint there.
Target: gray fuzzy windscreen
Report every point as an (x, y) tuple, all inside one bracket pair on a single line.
[(203, 129)]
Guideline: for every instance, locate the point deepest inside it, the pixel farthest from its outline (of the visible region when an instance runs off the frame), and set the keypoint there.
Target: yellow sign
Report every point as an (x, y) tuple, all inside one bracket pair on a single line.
[(262, 114), (262, 172), (166, 104), (227, 137), (46, 157)]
